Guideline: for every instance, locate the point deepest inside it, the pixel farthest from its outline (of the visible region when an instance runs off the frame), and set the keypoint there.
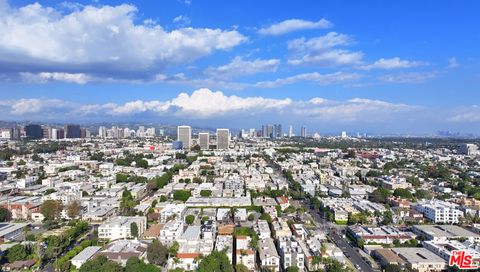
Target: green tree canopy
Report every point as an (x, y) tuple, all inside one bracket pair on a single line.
[(217, 261), (134, 229), (157, 253)]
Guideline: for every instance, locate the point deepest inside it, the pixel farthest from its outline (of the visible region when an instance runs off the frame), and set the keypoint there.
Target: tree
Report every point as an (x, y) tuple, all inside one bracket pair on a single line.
[(100, 263), (423, 194), (251, 217), (73, 209), (380, 195), (157, 253), (333, 265), (181, 195), (163, 198), (142, 163), (217, 261), (18, 252), (152, 186), (173, 249), (127, 203), (5, 215), (205, 193), (51, 209), (267, 217), (403, 193), (241, 268), (387, 217), (136, 265), (134, 229), (292, 269), (189, 219), (393, 268)]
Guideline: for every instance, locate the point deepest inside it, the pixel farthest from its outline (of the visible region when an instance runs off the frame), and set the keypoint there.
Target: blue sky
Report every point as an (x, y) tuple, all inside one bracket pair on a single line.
[(369, 66)]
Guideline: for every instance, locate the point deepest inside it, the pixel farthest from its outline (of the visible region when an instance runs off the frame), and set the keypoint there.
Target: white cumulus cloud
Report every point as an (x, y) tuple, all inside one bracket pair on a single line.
[(292, 25), (323, 51), (393, 63), (321, 79), (103, 40), (239, 67)]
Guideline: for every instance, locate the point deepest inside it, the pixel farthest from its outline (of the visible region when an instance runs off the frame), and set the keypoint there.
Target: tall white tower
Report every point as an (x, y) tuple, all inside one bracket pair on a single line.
[(223, 138), (184, 134)]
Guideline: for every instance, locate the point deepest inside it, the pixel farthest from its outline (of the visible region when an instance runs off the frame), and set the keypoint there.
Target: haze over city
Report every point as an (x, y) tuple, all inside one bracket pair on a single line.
[(383, 67)]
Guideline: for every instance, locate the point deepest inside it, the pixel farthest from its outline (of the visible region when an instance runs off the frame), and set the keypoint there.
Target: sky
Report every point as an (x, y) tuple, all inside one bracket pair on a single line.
[(360, 66)]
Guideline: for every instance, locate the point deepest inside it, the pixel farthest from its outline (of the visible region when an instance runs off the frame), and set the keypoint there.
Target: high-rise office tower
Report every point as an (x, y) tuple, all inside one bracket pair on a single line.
[(344, 134), (34, 131), (141, 132), (268, 131), (303, 132), (46, 132), (223, 138), (290, 131), (16, 133), (73, 132), (204, 140), (54, 134), (184, 134), (252, 133), (60, 133), (127, 133), (115, 132), (150, 132), (277, 131), (102, 132)]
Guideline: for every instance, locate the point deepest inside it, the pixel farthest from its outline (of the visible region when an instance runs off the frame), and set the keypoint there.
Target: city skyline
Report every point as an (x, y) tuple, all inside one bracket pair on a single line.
[(377, 68)]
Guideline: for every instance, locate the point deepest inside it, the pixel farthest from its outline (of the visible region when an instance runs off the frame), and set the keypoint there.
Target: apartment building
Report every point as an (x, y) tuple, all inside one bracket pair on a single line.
[(120, 227)]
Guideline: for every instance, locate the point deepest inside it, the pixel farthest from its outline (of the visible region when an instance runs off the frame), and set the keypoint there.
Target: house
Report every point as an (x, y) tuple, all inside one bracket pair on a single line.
[(225, 242), (85, 255), (283, 202), (191, 247), (119, 251), (11, 231), (241, 215), (245, 254), (223, 215), (268, 255)]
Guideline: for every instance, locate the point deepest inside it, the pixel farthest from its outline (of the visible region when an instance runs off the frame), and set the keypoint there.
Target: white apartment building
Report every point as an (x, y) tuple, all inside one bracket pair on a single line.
[(120, 227), (291, 253), (225, 242), (262, 229), (171, 231), (245, 255), (268, 255), (438, 211), (172, 211)]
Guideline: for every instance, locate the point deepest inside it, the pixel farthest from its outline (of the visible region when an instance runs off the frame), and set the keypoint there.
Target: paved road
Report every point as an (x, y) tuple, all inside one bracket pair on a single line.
[(350, 252), (335, 233)]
